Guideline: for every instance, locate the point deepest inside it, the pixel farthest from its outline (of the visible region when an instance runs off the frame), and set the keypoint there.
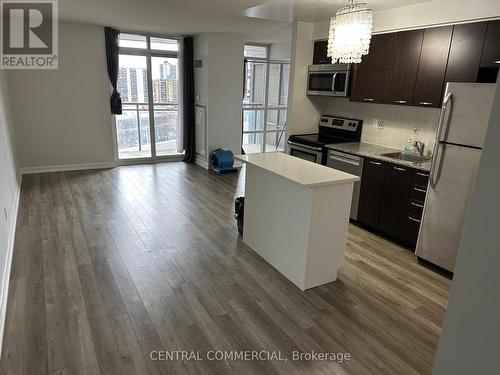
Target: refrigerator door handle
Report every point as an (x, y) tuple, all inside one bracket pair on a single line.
[(433, 163), (435, 151), (437, 162), (443, 118)]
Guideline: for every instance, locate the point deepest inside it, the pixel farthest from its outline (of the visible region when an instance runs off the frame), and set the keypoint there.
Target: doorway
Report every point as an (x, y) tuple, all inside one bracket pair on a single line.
[(148, 128)]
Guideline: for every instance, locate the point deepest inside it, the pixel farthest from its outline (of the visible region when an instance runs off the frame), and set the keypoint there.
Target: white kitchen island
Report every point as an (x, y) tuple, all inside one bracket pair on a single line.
[(296, 216)]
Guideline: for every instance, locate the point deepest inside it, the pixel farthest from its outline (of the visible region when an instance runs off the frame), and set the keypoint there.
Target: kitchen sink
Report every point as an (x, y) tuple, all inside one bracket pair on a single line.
[(411, 158)]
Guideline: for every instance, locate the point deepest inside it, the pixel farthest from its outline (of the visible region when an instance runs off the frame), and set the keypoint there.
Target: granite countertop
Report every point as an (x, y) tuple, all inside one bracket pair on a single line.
[(297, 170), (374, 151)]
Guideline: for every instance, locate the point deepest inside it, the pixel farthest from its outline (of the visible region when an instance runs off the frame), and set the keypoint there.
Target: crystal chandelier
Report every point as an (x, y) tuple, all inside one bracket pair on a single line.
[(350, 33)]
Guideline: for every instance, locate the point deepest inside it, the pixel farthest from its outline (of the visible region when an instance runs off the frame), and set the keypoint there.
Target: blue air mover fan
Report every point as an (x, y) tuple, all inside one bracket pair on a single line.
[(221, 161)]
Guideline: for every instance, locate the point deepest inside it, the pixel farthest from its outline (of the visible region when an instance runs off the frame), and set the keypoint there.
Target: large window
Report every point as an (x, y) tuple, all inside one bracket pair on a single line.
[(148, 85), (264, 101)]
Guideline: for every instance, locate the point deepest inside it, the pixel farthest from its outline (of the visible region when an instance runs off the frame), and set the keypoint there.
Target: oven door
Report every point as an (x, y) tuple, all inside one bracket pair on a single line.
[(312, 154)]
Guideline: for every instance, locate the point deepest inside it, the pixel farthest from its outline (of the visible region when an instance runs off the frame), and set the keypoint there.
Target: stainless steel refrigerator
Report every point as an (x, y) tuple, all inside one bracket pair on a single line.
[(459, 139)]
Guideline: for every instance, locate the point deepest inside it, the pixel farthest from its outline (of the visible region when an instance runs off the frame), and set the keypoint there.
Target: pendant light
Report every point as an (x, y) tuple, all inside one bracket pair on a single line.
[(350, 33)]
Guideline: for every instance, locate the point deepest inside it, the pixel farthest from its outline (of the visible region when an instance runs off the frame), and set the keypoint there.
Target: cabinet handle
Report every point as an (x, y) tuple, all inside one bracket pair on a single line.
[(425, 103), (412, 219), (422, 174), (375, 163), (420, 190), (400, 101), (417, 205), (400, 169), (367, 99)]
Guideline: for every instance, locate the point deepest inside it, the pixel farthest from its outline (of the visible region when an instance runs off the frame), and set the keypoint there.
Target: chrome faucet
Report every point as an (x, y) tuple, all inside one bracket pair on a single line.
[(420, 147)]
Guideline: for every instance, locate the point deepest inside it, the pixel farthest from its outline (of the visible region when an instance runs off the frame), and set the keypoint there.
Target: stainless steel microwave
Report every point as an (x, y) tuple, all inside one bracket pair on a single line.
[(329, 80)]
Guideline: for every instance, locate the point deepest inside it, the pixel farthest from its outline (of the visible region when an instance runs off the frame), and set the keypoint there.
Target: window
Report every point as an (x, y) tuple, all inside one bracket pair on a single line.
[(259, 52), (264, 101), (162, 44), (132, 41), (148, 85)]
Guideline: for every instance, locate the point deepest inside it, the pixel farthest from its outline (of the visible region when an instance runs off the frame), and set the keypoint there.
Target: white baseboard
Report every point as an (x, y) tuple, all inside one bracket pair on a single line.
[(201, 161), (4, 293), (66, 167)]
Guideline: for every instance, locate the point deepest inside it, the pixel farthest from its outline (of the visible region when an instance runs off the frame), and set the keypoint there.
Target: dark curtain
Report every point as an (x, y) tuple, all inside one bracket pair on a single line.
[(111, 36), (188, 105)]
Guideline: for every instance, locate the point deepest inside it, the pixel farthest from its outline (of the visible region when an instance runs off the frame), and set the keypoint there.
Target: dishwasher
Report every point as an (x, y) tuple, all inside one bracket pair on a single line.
[(350, 164)]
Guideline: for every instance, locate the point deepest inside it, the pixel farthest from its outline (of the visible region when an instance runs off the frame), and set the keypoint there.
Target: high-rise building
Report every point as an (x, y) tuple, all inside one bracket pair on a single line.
[(172, 91), (160, 90), (132, 82), (133, 85), (168, 71), (122, 84)]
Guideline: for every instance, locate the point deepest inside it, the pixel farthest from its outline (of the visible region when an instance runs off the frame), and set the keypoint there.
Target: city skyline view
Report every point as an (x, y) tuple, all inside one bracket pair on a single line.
[(134, 136), (133, 82)]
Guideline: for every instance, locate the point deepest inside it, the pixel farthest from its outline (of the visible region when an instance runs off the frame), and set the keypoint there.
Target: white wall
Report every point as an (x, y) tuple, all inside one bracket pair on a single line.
[(62, 116), (9, 198), (219, 87), (470, 340), (429, 13), (302, 116), (280, 51)]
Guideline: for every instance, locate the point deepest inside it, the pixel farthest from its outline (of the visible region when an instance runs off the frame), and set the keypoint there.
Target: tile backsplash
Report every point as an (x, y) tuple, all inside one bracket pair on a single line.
[(398, 121)]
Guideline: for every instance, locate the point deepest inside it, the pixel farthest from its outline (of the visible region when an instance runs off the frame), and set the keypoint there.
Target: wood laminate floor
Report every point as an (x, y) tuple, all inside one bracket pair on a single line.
[(111, 265)]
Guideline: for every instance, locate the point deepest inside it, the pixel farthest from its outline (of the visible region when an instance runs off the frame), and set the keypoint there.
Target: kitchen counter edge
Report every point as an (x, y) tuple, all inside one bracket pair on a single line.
[(353, 149)]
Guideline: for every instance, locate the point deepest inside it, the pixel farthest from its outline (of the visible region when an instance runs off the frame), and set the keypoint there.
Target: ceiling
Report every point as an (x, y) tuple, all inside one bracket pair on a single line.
[(257, 20)]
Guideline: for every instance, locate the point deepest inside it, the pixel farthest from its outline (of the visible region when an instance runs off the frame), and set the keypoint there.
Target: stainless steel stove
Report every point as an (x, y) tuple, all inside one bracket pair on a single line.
[(331, 129)]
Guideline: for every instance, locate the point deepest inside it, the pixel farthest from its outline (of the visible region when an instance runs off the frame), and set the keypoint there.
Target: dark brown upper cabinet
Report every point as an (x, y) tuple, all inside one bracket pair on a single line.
[(373, 76), (381, 54), (412, 67), (371, 86), (320, 49), (404, 76), (465, 52), (432, 66), (491, 50)]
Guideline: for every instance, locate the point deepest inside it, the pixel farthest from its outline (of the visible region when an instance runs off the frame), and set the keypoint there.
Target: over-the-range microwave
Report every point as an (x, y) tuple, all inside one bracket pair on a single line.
[(329, 80)]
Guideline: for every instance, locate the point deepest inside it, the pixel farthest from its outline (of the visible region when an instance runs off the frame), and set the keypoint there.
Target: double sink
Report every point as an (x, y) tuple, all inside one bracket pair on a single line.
[(410, 158)]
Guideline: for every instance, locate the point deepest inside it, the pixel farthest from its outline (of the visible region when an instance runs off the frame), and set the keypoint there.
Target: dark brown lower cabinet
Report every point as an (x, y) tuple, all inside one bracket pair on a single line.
[(372, 190), (393, 215), (392, 200), (412, 227), (416, 202)]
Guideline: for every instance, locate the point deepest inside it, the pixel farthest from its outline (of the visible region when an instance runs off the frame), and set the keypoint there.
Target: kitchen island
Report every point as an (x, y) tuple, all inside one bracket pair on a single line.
[(297, 215)]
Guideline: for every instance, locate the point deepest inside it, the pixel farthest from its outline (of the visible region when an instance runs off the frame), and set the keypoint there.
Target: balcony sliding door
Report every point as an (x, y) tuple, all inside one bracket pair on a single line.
[(148, 84), (133, 125)]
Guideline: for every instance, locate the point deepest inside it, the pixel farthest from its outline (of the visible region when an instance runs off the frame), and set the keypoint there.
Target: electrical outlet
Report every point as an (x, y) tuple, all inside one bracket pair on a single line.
[(377, 124), (416, 131), (5, 213)]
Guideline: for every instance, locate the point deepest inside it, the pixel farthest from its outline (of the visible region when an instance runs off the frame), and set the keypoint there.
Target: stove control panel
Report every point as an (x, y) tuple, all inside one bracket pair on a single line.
[(339, 123)]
